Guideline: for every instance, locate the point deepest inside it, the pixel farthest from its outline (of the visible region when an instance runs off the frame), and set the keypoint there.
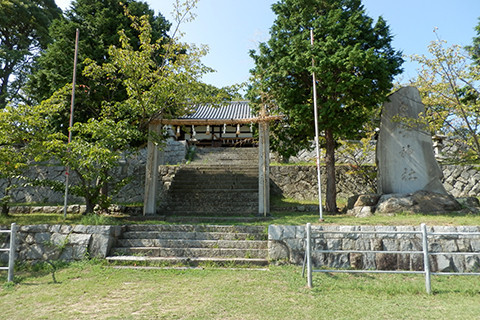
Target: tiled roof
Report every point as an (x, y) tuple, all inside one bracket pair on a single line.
[(231, 110)]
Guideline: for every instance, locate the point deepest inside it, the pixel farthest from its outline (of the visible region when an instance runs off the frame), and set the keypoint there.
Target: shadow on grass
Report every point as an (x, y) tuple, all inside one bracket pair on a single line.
[(284, 212)]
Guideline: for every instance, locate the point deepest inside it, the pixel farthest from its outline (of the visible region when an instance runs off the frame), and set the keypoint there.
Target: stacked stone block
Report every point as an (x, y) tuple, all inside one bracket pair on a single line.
[(39, 243), (287, 244)]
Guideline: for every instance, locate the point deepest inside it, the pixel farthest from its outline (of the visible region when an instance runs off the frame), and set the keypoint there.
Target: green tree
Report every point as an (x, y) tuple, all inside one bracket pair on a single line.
[(448, 81), (153, 91), (474, 49), (23, 130), (354, 63), (23, 35), (96, 148), (99, 23)]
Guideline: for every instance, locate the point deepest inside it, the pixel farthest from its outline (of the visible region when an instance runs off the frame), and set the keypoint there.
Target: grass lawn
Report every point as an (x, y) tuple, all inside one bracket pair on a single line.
[(278, 218), (91, 290), (94, 290)]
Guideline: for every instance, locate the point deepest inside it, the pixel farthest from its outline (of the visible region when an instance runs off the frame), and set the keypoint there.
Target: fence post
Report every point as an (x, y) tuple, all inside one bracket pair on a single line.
[(11, 257), (309, 256), (426, 262)]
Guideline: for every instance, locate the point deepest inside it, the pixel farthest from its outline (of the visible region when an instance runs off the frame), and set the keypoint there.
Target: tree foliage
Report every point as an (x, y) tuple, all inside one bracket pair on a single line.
[(99, 23), (448, 81), (153, 91), (354, 64), (95, 149), (23, 35), (474, 49), (23, 130)]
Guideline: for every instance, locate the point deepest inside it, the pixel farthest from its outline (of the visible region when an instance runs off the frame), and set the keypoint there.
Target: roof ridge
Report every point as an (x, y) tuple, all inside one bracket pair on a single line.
[(228, 110)]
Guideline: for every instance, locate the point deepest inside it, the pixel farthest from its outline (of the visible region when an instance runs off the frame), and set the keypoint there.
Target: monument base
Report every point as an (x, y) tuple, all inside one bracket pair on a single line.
[(420, 202)]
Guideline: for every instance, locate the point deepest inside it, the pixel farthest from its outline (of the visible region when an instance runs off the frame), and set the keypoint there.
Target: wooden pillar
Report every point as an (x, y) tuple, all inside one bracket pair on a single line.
[(151, 174), (263, 169)]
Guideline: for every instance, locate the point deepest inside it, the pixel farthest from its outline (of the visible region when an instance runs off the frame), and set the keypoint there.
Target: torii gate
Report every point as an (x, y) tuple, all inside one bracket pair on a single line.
[(154, 156)]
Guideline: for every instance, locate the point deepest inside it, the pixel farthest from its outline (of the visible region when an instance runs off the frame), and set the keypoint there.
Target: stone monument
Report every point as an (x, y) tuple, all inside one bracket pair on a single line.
[(409, 178), (405, 158)]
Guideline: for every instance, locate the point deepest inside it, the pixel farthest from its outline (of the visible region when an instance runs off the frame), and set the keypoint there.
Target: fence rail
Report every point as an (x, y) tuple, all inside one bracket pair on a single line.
[(11, 251), (425, 252)]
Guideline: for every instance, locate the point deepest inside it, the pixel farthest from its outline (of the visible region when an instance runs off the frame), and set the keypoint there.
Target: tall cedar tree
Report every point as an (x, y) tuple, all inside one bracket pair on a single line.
[(474, 49), (99, 23), (354, 63), (23, 35)]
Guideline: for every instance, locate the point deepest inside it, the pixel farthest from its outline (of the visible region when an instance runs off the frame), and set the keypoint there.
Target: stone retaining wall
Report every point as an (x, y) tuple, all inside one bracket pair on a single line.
[(132, 166), (462, 181), (300, 182), (292, 181), (37, 243), (287, 243)]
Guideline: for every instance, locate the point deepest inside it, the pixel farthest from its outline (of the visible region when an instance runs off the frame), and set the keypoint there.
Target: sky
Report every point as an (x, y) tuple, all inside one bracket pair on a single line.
[(231, 28)]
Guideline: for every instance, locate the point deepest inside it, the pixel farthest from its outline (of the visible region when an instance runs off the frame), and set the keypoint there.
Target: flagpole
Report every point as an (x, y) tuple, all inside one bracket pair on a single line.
[(317, 147), (70, 124)]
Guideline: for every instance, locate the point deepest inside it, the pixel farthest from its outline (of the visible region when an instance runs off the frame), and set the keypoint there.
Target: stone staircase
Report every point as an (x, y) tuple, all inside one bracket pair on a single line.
[(191, 245), (219, 182), (226, 156)]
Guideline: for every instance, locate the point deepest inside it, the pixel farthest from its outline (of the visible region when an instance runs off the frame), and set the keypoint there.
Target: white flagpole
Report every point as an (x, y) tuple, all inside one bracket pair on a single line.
[(317, 147), (70, 124)]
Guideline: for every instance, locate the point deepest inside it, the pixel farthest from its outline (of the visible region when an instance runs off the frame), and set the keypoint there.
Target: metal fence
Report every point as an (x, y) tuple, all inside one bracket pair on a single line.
[(11, 251), (425, 252)]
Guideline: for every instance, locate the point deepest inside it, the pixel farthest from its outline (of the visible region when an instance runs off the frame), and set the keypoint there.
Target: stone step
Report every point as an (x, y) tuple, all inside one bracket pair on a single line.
[(214, 184), (220, 181), (212, 167), (211, 154), (201, 187), (220, 172), (192, 252), (224, 162), (189, 244), (200, 191), (181, 213), (219, 175), (135, 260), (183, 243), (212, 206), (197, 228), (210, 218), (225, 197), (171, 235)]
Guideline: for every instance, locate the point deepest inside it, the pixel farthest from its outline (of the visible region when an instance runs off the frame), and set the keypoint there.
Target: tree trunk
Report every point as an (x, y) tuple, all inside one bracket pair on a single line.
[(5, 210), (89, 205), (331, 192), (5, 201)]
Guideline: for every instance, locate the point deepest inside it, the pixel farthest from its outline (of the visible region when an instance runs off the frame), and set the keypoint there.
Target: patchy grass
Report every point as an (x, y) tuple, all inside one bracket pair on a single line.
[(281, 202), (400, 219), (278, 218), (39, 218), (90, 290), (288, 202)]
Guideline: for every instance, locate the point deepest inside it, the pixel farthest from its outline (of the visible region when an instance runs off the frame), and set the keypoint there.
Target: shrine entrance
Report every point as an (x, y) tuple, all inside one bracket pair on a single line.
[(228, 125)]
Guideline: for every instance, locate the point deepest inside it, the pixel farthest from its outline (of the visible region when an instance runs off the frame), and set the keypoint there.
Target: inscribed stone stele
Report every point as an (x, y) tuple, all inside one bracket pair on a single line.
[(405, 157)]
